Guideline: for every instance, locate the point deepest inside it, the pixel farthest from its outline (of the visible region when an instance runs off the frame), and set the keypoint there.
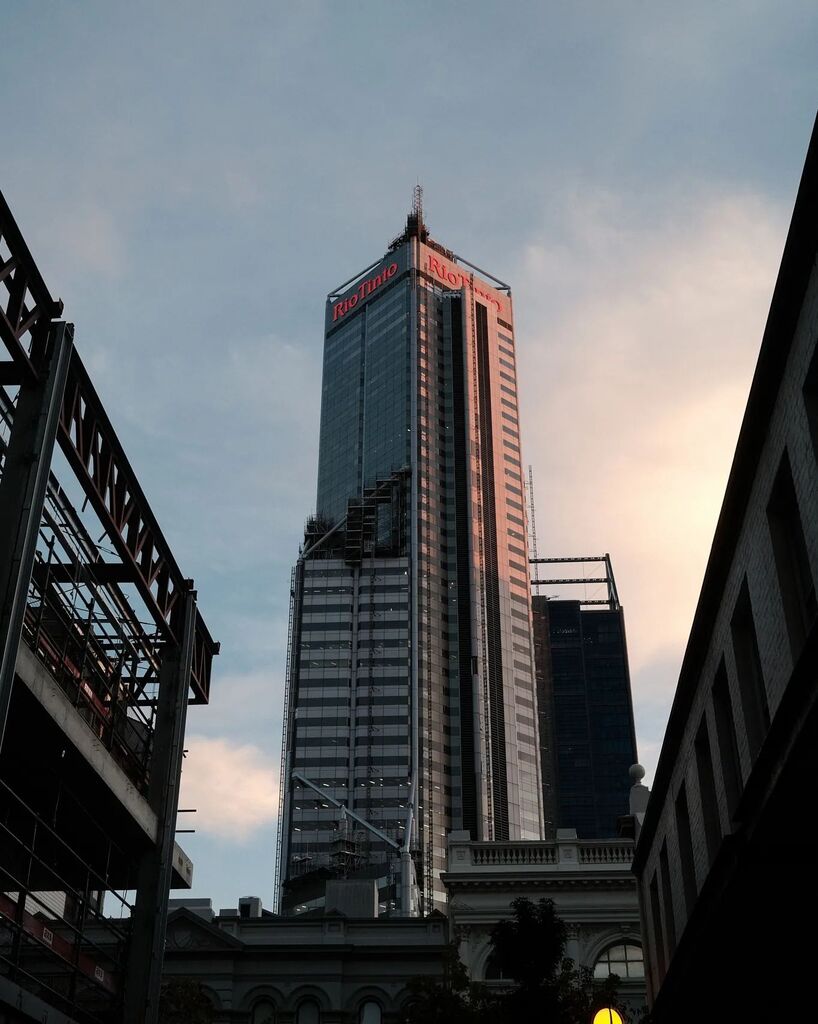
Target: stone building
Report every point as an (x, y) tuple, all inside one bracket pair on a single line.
[(725, 859), (590, 882), (328, 968), (342, 964)]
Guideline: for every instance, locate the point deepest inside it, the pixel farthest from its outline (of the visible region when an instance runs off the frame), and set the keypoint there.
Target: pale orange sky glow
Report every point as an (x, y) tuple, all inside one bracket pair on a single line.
[(632, 397)]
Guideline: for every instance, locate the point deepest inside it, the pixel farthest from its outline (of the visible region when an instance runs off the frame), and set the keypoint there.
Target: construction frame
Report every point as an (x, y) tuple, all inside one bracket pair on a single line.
[(102, 648)]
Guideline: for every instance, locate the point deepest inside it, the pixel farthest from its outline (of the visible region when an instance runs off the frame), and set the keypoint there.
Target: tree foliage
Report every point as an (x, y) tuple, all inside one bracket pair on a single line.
[(182, 1001), (529, 949)]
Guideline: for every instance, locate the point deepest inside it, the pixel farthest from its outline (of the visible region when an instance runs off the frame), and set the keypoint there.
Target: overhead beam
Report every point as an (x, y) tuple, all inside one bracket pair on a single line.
[(78, 572), (93, 450), (26, 306)]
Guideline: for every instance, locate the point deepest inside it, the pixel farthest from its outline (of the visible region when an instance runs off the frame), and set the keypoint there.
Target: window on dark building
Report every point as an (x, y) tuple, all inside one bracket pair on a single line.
[(811, 400), (667, 900), (263, 1013), (791, 560), (308, 1012), (726, 736), (370, 1013), (625, 960), (656, 921), (686, 850), (707, 791), (748, 670)]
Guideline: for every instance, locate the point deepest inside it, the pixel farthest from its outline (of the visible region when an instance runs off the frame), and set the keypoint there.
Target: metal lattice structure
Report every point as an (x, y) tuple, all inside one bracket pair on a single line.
[(611, 600), (101, 649)]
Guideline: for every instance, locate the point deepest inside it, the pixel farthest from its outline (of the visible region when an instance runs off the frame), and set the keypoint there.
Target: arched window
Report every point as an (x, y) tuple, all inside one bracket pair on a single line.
[(263, 1012), (625, 960), (370, 1013), (308, 1012), (494, 972)]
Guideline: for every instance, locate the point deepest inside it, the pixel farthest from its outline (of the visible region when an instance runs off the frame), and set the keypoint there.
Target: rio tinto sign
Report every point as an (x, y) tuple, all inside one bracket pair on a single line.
[(430, 263), (364, 289), (456, 277)]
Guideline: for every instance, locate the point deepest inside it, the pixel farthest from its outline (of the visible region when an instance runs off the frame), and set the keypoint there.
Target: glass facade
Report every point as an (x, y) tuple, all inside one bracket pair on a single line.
[(587, 737), (411, 665)]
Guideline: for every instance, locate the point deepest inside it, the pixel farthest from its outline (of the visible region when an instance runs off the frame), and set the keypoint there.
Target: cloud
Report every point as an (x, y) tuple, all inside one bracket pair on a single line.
[(233, 787), (633, 384), (246, 704)]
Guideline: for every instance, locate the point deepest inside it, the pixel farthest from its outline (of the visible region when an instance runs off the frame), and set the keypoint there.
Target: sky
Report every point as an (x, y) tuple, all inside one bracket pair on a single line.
[(194, 178)]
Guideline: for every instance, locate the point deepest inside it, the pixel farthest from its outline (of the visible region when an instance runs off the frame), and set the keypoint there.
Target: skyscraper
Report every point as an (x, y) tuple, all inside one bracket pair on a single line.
[(411, 695), (584, 705)]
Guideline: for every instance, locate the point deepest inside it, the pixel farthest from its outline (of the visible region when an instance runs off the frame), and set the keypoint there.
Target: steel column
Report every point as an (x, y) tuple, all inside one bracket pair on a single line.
[(147, 943), (22, 493)]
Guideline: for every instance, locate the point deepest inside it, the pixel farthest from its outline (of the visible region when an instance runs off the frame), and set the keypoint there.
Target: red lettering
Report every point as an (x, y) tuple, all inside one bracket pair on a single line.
[(366, 288), (438, 269)]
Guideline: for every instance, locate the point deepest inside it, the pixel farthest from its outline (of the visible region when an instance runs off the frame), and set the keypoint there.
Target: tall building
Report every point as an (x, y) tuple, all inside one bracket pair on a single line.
[(411, 695), (584, 704)]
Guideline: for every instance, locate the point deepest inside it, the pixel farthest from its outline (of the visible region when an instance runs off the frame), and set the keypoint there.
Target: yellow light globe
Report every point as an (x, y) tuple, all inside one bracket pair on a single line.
[(607, 1015)]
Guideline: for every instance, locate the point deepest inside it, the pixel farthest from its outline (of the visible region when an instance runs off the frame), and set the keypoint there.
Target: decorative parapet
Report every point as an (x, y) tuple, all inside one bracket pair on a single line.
[(504, 854), (566, 853), (614, 852)]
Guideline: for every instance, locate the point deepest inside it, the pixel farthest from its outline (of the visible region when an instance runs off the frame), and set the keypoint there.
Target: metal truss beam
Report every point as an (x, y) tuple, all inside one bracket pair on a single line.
[(22, 494), (26, 307), (613, 596), (96, 456), (92, 448)]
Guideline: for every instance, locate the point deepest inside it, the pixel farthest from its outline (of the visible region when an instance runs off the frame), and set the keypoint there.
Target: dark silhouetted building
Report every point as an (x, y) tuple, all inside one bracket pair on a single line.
[(726, 858), (584, 706)]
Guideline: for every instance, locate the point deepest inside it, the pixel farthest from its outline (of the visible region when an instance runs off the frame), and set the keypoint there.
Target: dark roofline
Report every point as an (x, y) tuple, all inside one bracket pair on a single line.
[(797, 263), (219, 934)]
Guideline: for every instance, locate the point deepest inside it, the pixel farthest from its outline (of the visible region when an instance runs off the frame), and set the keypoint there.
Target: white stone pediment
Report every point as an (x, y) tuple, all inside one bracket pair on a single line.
[(187, 931)]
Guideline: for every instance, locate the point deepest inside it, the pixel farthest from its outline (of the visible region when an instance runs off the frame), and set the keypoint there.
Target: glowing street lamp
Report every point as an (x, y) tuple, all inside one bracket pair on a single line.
[(607, 1015)]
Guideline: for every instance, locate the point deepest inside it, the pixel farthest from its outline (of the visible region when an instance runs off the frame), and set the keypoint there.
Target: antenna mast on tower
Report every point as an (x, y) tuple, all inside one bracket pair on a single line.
[(417, 202)]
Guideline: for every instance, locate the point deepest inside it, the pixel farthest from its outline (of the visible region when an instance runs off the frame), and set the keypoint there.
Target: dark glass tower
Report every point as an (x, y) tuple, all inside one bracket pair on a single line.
[(585, 712), (410, 695)]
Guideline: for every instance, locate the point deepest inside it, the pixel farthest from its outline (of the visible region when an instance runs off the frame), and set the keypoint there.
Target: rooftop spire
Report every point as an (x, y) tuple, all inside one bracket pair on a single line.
[(415, 224), (417, 202)]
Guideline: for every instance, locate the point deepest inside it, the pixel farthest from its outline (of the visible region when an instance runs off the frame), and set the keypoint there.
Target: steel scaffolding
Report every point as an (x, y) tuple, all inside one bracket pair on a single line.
[(101, 649)]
